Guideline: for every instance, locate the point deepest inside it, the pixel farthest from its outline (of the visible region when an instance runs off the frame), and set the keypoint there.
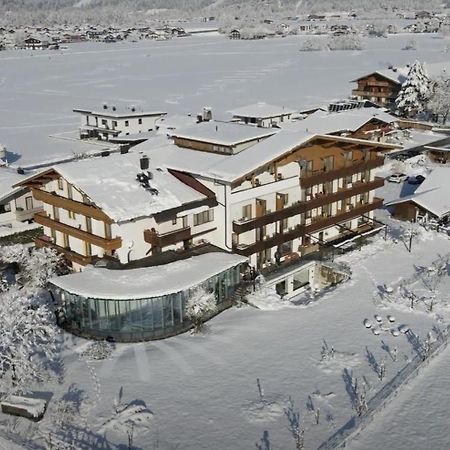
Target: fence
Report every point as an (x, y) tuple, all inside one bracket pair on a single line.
[(357, 423)]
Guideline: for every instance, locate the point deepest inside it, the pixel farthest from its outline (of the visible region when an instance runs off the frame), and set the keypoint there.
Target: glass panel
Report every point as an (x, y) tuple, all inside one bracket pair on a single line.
[(157, 313)]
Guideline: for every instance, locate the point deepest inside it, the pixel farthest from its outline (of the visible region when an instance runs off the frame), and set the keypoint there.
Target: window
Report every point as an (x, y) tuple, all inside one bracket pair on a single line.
[(5, 208), (66, 242), (127, 123), (87, 248), (69, 191), (348, 155), (60, 184), (140, 121), (104, 122), (204, 217), (55, 213), (72, 215), (247, 212), (29, 202), (114, 123), (174, 221)]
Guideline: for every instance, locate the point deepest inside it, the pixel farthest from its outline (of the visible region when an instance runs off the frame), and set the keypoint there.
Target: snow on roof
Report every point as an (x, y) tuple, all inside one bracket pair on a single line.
[(110, 182), (8, 178), (147, 282), (323, 122), (163, 153), (119, 111), (433, 194), (223, 133), (261, 110), (236, 166), (399, 74)]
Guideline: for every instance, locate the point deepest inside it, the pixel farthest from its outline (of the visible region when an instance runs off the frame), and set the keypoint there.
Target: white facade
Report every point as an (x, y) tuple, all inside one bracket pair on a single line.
[(110, 122)]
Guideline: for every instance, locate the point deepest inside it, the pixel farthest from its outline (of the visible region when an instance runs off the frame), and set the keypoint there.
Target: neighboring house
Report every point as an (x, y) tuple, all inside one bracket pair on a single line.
[(235, 34), (17, 204), (263, 115), (431, 201), (113, 121), (380, 87), (364, 123), (35, 44)]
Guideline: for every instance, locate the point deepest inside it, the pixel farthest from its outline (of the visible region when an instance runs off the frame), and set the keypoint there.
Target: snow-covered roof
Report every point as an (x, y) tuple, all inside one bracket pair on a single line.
[(111, 184), (323, 122), (119, 111), (261, 110), (8, 178), (236, 166), (223, 133), (433, 194), (399, 74), (147, 282)]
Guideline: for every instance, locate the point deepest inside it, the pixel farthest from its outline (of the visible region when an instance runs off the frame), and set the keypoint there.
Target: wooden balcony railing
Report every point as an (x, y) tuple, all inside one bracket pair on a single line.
[(107, 244), (170, 238), (71, 205), (45, 241), (309, 179), (319, 223), (301, 207)]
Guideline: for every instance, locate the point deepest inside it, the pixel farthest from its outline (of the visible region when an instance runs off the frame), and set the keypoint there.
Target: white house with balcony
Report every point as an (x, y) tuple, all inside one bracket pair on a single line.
[(114, 121)]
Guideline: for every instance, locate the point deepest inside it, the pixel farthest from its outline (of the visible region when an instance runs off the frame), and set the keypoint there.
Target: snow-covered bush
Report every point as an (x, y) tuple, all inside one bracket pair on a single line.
[(36, 266), (98, 351), (312, 45), (27, 341), (345, 42), (415, 91), (439, 101), (199, 306)]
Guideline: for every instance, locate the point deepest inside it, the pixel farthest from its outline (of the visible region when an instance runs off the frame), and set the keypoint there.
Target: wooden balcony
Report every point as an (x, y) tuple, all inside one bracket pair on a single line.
[(325, 222), (71, 205), (309, 179), (170, 238), (318, 224), (107, 244), (301, 207), (45, 241)]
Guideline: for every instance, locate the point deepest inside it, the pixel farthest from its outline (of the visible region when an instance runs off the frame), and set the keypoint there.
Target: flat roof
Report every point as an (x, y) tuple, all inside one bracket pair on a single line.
[(223, 133), (262, 110), (95, 282), (119, 112)]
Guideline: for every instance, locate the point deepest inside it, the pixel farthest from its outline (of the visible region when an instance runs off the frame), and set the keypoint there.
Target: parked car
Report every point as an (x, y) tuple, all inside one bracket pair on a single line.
[(397, 177), (418, 179)]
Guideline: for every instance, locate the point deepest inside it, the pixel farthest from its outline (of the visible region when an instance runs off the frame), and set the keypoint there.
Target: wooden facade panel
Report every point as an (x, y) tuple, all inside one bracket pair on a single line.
[(71, 205), (106, 244), (68, 254), (171, 238)]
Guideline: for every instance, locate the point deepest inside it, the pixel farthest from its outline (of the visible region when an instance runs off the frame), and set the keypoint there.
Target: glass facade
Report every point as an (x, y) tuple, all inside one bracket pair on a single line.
[(137, 319)]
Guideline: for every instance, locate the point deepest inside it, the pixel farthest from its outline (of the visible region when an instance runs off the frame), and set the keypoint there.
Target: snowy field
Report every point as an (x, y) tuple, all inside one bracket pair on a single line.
[(201, 392), (39, 89)]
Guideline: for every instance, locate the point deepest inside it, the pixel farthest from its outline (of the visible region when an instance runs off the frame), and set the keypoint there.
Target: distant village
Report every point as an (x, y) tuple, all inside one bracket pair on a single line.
[(37, 38)]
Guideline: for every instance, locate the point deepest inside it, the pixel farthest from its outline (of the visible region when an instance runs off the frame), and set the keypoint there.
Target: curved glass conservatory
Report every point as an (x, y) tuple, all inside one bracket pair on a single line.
[(141, 304)]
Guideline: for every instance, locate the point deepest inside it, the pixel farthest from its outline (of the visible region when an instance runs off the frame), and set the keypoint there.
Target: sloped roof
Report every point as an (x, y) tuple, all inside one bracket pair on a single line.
[(111, 184), (433, 194), (322, 122), (261, 110)]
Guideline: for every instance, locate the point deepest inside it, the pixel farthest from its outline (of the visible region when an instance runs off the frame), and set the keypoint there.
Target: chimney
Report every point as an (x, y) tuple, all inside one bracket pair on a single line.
[(133, 108), (207, 114), (105, 105), (144, 162)]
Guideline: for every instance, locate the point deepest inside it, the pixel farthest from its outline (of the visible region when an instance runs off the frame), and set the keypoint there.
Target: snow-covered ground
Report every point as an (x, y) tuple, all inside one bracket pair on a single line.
[(201, 392), (39, 89)]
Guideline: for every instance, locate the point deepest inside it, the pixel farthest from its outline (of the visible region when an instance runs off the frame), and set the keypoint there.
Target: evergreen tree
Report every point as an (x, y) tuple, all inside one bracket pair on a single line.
[(415, 91)]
